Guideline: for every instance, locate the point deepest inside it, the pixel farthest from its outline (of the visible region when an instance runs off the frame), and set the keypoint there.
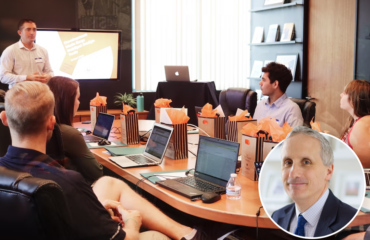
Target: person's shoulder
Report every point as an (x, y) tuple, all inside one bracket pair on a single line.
[(361, 126), (282, 212), (10, 48), (40, 47), (345, 212), (363, 123), (66, 129)]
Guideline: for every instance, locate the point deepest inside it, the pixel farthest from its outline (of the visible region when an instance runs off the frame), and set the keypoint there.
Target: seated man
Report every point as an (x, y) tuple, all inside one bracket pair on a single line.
[(109, 210), (275, 81), (306, 170)]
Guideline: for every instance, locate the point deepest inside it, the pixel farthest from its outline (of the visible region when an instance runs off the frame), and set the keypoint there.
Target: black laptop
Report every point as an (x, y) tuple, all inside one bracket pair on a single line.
[(102, 128), (216, 160)]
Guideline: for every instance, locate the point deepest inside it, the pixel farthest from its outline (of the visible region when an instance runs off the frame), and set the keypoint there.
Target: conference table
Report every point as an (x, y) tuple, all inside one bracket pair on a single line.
[(239, 212)]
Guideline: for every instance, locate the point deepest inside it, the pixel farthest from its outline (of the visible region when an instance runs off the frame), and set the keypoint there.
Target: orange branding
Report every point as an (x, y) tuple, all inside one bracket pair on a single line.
[(158, 111), (247, 141), (92, 109), (205, 122)]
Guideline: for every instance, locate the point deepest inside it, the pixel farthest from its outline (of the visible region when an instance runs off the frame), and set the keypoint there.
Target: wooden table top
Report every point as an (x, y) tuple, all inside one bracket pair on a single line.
[(240, 212)]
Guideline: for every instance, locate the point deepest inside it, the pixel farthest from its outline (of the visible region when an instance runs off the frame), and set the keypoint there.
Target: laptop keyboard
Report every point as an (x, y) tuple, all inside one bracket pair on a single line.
[(92, 138), (140, 159), (200, 184)]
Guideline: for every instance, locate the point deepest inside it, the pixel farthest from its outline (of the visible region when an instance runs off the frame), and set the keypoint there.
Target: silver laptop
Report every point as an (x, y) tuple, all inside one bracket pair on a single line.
[(154, 152), (177, 73), (102, 128)]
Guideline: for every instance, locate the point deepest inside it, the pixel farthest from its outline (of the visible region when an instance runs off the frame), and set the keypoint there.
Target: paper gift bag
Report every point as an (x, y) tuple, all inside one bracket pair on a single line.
[(234, 130), (94, 112), (130, 128), (251, 152), (214, 127), (157, 114), (178, 144), (267, 147)]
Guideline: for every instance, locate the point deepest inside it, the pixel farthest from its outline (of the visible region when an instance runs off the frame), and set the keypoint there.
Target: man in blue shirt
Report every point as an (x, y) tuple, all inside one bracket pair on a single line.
[(109, 210), (275, 81)]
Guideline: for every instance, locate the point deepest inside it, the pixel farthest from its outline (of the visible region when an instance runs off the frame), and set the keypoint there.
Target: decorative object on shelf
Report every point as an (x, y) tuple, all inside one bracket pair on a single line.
[(267, 62), (289, 60), (274, 33), (257, 69), (288, 32), (128, 99), (258, 35), (273, 2)]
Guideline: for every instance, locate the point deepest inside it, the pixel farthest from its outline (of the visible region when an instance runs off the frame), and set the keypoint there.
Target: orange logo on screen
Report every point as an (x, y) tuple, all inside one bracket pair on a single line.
[(158, 111), (205, 122), (92, 109), (247, 141)]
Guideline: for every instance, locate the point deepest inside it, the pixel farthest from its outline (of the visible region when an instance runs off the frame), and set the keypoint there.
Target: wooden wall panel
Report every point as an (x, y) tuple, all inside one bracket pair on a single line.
[(330, 58)]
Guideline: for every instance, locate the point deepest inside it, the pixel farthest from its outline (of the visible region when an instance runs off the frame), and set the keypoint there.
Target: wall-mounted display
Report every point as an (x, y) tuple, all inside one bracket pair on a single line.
[(274, 33), (258, 35), (289, 60), (257, 69)]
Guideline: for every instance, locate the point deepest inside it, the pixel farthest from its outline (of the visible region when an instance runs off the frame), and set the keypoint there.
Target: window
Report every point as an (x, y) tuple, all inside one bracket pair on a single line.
[(210, 36)]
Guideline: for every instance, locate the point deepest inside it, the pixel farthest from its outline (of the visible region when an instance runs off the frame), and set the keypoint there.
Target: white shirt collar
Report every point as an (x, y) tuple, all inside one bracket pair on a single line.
[(278, 102), (312, 215), (21, 45)]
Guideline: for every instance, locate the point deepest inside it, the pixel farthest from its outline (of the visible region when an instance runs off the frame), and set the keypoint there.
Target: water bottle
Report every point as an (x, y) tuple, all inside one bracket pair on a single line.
[(140, 102), (233, 188)]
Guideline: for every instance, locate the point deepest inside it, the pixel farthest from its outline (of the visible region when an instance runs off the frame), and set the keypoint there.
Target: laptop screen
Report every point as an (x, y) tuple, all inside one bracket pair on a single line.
[(157, 141), (103, 125), (216, 157)]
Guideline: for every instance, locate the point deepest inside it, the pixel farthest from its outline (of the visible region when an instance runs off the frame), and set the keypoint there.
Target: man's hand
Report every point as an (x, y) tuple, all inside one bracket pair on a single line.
[(114, 208), (132, 219), (356, 236), (37, 77)]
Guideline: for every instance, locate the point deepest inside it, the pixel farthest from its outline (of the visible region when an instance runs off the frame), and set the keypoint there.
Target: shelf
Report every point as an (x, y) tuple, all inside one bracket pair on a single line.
[(275, 43), (252, 78), (297, 3)]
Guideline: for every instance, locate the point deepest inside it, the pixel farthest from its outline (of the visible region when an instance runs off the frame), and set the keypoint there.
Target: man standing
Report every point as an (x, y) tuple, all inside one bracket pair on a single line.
[(275, 81), (25, 60), (306, 170)]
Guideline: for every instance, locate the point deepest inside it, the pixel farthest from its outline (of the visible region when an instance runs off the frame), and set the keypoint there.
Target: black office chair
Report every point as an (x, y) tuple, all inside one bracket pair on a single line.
[(308, 109), (32, 208), (5, 139), (234, 98)]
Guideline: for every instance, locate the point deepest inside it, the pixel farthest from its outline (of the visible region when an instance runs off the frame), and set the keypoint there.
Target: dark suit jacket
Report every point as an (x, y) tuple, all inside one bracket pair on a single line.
[(334, 216)]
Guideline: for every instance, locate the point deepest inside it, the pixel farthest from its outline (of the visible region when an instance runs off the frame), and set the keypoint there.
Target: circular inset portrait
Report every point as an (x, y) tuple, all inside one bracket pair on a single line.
[(311, 185)]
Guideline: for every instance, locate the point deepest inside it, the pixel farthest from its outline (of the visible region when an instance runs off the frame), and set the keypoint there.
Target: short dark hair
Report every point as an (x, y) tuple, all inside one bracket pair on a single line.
[(279, 72), (65, 90), (22, 21)]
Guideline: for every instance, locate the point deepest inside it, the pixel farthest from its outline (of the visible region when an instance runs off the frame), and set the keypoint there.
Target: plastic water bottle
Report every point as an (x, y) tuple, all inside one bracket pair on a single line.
[(233, 188), (140, 102)]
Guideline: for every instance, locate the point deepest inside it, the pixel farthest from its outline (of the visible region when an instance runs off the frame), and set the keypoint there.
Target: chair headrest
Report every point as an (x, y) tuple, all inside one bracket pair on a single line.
[(22, 182)]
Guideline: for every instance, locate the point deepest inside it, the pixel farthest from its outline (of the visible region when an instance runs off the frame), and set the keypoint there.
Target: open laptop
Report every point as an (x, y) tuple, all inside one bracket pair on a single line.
[(102, 128), (177, 73), (216, 160), (155, 149)]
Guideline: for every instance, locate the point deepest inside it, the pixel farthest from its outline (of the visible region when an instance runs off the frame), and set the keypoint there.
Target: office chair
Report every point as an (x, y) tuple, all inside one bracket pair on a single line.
[(234, 98), (308, 109), (5, 139), (32, 208)]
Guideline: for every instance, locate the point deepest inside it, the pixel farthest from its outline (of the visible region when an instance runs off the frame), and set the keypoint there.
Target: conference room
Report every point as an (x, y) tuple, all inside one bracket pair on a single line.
[(131, 58)]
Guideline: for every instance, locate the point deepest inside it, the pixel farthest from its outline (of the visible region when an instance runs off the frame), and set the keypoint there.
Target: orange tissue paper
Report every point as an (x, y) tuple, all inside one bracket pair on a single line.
[(126, 108), (250, 129), (315, 126), (177, 116), (207, 111), (162, 103), (98, 100), (240, 117)]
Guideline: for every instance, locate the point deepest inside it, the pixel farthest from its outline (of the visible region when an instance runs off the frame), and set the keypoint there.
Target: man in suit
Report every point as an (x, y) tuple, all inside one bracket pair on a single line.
[(307, 167)]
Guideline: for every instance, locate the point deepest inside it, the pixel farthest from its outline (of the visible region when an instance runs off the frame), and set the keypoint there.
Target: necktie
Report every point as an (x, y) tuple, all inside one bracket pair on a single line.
[(300, 226)]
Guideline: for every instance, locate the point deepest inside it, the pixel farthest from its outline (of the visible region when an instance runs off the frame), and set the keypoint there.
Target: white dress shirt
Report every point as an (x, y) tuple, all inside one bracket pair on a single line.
[(17, 62), (312, 215), (283, 110)]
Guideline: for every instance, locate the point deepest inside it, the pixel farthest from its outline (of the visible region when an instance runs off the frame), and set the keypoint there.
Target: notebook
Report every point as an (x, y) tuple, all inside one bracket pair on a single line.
[(102, 128), (155, 149), (216, 160), (177, 73)]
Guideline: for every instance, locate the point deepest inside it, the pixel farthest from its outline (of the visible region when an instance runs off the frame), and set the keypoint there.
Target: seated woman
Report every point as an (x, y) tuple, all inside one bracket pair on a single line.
[(67, 93), (355, 99)]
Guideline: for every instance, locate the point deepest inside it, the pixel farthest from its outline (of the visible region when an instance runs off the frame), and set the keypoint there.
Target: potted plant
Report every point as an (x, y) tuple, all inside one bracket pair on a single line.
[(127, 99)]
